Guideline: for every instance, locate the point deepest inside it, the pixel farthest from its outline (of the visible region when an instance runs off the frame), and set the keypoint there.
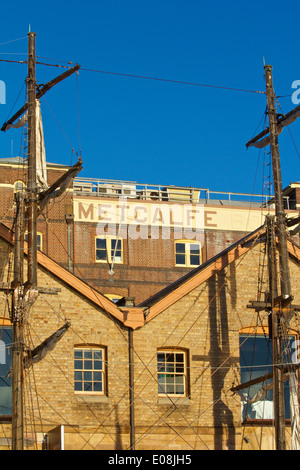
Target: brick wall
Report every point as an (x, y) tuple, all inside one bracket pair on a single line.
[(205, 322)]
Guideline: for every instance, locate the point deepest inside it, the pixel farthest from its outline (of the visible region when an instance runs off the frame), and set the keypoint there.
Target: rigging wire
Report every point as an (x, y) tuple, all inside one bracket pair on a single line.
[(144, 77)]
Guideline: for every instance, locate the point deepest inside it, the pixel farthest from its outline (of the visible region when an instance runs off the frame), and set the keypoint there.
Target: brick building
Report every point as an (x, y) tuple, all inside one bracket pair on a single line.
[(132, 240), (179, 353)]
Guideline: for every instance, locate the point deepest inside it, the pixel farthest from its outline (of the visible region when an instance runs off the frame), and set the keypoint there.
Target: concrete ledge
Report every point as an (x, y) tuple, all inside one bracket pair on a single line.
[(178, 401), (103, 399)]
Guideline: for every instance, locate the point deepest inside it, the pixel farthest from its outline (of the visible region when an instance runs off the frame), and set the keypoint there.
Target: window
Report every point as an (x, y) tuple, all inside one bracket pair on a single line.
[(187, 253), (19, 186), (39, 240), (109, 250), (5, 365), (114, 297), (89, 370), (256, 361), (171, 372)]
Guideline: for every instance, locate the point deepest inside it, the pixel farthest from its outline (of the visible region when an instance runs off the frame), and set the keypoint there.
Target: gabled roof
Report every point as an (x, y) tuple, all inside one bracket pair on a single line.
[(169, 295), (178, 289), (136, 317), (129, 317)]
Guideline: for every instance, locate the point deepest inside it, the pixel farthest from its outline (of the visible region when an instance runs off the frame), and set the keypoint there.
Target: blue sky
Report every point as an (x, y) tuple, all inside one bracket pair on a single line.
[(151, 131)]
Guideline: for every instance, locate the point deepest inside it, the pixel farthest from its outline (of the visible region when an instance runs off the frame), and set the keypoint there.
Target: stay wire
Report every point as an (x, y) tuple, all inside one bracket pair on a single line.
[(144, 77)]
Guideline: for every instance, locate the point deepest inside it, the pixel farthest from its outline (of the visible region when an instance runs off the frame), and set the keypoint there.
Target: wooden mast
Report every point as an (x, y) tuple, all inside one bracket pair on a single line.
[(21, 292), (32, 182), (18, 287), (278, 320)]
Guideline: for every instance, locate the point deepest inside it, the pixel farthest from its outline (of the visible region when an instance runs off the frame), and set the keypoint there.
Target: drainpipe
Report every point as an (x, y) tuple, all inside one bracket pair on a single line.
[(69, 219), (129, 302)]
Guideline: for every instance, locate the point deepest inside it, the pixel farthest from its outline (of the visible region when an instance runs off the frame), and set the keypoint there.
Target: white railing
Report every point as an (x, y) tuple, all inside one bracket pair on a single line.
[(132, 190)]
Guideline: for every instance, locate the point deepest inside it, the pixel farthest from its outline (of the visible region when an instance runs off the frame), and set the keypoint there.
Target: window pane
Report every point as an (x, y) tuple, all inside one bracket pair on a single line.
[(98, 387), (179, 389), (195, 249), (180, 368), (114, 243), (78, 375), (88, 354), (194, 260), (87, 376), (97, 376), (101, 243), (87, 386), (78, 353), (78, 386), (97, 354), (5, 365), (256, 361), (180, 248), (88, 364), (98, 365), (100, 255), (78, 364), (170, 389), (180, 259), (170, 357), (179, 357)]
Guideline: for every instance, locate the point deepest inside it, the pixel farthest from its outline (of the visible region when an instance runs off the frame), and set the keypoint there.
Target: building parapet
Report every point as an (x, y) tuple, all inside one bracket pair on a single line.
[(133, 190)]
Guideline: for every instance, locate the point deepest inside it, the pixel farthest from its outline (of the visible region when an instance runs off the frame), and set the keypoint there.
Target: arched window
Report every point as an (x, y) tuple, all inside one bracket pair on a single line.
[(89, 369), (172, 370)]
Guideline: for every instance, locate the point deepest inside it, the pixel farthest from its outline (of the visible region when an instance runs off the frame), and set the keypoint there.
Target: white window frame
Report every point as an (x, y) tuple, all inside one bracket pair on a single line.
[(84, 370), (176, 368), (187, 254)]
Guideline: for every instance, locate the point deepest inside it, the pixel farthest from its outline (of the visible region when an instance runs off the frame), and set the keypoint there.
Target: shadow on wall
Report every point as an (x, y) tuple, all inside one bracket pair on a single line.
[(219, 351)]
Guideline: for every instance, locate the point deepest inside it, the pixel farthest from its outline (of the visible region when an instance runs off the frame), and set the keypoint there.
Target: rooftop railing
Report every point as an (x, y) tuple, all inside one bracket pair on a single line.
[(132, 190)]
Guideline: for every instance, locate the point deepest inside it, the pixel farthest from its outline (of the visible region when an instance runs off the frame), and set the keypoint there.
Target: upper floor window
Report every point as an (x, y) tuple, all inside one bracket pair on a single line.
[(89, 370), (172, 372), (256, 360), (5, 365), (187, 253), (109, 250)]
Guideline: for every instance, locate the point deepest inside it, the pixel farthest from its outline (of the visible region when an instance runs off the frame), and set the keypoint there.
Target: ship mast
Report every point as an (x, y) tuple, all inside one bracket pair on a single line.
[(277, 317), (18, 287), (279, 302), (30, 203)]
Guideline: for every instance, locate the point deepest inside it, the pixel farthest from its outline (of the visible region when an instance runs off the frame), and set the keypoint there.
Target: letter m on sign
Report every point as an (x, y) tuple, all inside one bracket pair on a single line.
[(2, 92)]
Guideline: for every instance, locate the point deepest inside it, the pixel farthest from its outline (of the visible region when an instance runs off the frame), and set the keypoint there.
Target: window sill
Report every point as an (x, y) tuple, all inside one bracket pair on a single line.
[(262, 422), (82, 398), (178, 401)]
